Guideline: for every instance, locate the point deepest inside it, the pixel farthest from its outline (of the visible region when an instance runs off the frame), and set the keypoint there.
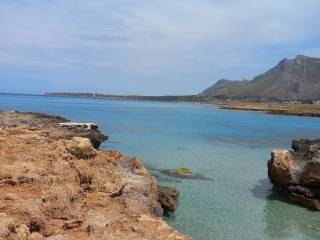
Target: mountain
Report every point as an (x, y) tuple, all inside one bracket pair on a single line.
[(290, 80)]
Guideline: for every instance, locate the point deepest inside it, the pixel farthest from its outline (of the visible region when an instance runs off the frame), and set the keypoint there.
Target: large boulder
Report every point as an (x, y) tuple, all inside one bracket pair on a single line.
[(168, 197), (297, 171)]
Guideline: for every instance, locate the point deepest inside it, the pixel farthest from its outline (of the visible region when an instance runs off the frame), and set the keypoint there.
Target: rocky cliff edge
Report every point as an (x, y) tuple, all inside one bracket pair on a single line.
[(55, 185)]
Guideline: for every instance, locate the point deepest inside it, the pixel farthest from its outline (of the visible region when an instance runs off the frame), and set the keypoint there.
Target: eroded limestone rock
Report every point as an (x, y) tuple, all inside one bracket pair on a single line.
[(168, 197), (298, 171), (57, 187)]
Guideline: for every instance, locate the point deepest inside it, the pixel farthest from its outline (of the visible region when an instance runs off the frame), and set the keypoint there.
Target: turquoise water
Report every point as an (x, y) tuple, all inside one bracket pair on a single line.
[(231, 147)]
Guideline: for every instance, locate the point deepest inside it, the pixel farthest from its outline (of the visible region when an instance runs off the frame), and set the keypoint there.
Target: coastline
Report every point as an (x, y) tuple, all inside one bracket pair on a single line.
[(288, 109), (166, 98), (275, 108), (75, 191)]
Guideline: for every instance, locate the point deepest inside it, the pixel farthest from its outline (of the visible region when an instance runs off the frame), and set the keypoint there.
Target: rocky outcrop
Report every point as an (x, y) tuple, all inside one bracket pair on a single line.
[(92, 133), (58, 186), (297, 171), (66, 130), (16, 118), (168, 197)]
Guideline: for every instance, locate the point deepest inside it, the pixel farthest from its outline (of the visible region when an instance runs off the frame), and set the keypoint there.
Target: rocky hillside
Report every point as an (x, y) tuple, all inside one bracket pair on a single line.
[(294, 79), (55, 185)]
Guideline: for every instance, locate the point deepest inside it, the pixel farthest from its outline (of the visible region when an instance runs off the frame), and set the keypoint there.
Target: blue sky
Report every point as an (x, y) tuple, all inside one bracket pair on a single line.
[(150, 47)]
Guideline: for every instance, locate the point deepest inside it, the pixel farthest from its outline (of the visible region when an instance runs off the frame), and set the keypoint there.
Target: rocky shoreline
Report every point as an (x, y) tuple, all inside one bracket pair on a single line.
[(56, 185), (297, 171), (288, 109)]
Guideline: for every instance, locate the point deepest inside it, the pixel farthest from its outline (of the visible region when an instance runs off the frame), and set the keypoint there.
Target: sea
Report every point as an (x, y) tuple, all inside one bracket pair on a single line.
[(234, 199)]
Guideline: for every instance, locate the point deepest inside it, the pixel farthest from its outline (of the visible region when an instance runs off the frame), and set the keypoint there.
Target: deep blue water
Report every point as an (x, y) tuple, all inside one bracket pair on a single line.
[(231, 147)]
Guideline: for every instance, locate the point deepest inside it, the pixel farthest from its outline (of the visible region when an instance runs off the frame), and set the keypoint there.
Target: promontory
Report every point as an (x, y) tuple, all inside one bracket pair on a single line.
[(56, 185)]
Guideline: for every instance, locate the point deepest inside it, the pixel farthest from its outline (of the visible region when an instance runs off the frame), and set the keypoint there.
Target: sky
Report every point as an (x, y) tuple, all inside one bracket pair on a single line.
[(148, 47)]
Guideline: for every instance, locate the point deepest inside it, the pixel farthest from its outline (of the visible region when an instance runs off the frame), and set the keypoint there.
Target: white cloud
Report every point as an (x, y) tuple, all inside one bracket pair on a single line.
[(205, 38)]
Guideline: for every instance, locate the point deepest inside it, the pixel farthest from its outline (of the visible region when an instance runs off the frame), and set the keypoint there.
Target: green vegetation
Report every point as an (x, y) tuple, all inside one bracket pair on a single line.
[(183, 171)]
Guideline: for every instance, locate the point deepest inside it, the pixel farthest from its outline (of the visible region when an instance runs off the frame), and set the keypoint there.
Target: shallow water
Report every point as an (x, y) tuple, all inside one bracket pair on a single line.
[(230, 147)]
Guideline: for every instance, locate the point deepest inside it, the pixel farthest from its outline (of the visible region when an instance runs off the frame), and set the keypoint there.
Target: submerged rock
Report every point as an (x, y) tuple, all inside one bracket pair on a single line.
[(297, 171), (168, 197), (184, 173)]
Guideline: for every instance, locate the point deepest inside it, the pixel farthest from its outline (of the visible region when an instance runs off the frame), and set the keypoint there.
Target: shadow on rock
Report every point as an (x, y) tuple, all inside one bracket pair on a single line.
[(266, 191)]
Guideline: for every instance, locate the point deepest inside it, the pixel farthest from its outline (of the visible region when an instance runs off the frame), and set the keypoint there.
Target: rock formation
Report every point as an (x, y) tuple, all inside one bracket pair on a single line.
[(168, 197), (184, 173), (298, 171), (55, 185), (67, 131)]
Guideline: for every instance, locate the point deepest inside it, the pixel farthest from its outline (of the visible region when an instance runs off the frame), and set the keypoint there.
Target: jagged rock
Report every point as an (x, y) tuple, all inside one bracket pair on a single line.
[(81, 148), (66, 129), (168, 197), (76, 124), (282, 166), (298, 171), (16, 118), (95, 136)]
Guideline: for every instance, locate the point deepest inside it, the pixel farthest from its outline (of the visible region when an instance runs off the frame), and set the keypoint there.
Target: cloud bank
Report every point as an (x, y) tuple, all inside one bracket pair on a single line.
[(148, 47)]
